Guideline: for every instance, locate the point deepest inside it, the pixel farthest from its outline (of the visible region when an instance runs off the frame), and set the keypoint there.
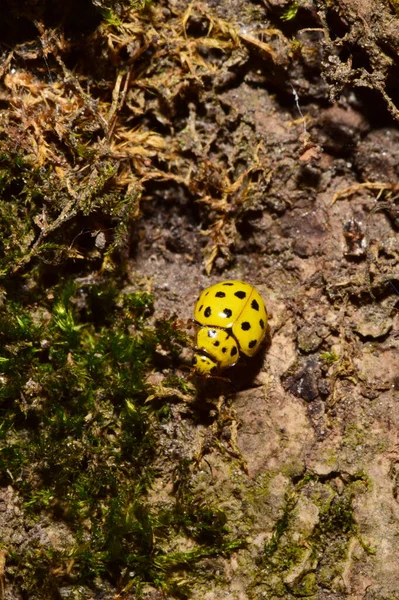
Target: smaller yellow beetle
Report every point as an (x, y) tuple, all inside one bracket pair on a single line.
[(233, 320)]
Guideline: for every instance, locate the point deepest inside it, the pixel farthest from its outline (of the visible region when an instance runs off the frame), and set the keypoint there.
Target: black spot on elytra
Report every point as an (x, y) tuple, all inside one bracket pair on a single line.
[(252, 343), (207, 312), (262, 323), (200, 308), (227, 312), (245, 326), (224, 350), (220, 295), (195, 360), (255, 305), (212, 333), (233, 351), (216, 344), (241, 295), (227, 283)]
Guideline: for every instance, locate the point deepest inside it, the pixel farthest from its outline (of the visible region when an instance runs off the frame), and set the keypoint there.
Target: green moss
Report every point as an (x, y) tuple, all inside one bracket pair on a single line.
[(297, 564), (65, 228), (290, 12), (280, 527), (329, 357), (76, 423), (38, 565), (307, 586), (337, 517), (354, 435)]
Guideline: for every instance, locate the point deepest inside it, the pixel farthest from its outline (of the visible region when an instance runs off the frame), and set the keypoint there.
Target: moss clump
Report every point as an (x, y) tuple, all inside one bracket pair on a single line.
[(329, 358), (310, 541), (306, 586), (290, 13), (280, 528), (76, 424)]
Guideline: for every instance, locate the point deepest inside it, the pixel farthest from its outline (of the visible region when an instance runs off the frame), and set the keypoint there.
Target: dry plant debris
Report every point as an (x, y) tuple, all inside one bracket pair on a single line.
[(86, 140)]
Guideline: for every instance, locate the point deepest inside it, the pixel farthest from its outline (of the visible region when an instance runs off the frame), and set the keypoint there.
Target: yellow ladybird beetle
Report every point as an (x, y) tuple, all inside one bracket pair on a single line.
[(232, 317)]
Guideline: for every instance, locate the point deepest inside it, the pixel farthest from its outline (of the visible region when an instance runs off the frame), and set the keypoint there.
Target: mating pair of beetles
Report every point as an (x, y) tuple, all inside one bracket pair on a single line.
[(232, 317)]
